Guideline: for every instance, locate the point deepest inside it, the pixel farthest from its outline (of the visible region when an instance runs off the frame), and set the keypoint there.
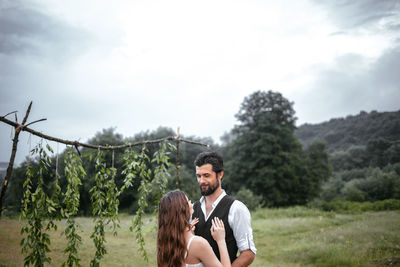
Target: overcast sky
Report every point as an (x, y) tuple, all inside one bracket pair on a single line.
[(136, 65)]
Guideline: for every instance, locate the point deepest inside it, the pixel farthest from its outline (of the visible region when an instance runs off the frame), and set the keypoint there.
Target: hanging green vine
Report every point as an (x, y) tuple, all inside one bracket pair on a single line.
[(38, 209), (104, 197), (74, 173), (144, 174), (137, 167), (161, 174)]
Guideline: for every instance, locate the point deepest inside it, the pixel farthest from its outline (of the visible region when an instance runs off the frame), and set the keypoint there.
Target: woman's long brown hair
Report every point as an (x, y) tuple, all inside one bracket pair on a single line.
[(173, 220)]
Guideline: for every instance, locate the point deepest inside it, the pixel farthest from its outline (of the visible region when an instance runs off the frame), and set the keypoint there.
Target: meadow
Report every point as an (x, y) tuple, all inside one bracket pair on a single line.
[(296, 236)]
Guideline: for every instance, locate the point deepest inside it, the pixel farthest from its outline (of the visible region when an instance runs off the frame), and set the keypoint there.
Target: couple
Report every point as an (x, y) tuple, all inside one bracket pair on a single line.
[(220, 225)]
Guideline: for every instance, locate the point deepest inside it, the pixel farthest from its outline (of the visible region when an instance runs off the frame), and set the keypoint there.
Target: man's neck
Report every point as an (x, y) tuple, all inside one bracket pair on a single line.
[(210, 199)]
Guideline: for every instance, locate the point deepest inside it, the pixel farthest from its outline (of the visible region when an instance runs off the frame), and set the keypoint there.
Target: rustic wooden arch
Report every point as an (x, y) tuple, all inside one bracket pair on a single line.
[(18, 127)]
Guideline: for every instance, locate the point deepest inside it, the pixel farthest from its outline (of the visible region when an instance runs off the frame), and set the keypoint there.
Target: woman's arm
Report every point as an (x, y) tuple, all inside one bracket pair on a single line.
[(202, 250), (218, 233)]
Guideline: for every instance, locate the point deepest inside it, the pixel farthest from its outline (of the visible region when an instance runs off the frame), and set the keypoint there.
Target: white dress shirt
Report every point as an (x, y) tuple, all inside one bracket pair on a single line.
[(239, 220)]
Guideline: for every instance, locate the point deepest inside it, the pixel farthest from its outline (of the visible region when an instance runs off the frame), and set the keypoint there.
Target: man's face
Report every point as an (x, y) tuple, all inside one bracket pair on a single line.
[(207, 179)]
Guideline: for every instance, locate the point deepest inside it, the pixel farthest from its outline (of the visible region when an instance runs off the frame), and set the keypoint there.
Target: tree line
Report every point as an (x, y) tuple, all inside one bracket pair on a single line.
[(364, 155), (266, 162)]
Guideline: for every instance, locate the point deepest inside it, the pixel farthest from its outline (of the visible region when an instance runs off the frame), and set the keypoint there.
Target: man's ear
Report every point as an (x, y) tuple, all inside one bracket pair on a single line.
[(220, 174)]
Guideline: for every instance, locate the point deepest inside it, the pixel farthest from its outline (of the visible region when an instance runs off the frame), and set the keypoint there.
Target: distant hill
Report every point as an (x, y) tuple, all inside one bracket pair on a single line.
[(342, 133)]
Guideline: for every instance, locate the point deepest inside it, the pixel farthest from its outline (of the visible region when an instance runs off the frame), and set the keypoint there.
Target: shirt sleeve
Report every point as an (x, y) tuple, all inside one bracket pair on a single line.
[(239, 219)]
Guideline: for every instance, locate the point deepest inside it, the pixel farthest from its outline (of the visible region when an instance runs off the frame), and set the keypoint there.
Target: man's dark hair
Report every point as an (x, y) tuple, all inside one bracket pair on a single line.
[(212, 158)]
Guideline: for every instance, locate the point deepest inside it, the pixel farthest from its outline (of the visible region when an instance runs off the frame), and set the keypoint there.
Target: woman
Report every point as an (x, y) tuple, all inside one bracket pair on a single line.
[(176, 243)]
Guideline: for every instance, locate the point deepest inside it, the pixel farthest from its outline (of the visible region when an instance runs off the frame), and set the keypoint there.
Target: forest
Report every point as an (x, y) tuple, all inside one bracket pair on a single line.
[(269, 162), (364, 155)]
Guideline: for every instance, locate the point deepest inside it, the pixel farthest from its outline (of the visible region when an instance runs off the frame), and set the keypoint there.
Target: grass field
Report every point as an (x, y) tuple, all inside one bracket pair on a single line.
[(295, 236)]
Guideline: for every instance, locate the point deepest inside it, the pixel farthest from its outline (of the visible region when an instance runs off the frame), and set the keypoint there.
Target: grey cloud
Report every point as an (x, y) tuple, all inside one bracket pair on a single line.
[(25, 29), (346, 88), (386, 72), (350, 14), (350, 85)]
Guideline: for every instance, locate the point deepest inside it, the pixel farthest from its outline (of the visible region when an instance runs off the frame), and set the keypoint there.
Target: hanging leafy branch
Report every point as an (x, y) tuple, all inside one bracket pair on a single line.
[(137, 167), (38, 210), (161, 158), (144, 175), (74, 172), (104, 197)]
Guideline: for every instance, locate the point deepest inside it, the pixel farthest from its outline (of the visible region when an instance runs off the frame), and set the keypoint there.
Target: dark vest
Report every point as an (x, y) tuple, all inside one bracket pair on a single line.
[(203, 227)]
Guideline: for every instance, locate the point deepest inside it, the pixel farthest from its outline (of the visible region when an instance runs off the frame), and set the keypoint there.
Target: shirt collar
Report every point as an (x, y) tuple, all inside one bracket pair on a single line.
[(203, 199)]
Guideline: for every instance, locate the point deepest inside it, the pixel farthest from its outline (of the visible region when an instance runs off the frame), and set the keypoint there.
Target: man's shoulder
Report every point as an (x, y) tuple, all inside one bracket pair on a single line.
[(239, 205)]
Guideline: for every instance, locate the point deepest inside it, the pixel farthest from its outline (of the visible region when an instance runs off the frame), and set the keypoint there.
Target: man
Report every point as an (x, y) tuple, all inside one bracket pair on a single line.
[(216, 203)]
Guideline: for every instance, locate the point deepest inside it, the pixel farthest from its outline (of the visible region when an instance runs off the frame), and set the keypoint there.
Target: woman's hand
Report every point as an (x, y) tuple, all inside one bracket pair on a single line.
[(218, 229), (192, 224)]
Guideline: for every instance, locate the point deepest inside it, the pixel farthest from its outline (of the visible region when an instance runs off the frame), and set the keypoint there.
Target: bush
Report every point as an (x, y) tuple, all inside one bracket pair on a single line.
[(251, 200), (380, 185), (352, 193), (332, 189), (343, 206), (387, 204)]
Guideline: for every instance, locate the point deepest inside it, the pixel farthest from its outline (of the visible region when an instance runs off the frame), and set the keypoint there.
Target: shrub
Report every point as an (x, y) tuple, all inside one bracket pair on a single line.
[(251, 200), (343, 206), (387, 204)]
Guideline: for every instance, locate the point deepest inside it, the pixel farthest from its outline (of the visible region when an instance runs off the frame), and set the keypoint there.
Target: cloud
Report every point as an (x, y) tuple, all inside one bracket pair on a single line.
[(349, 14), (363, 78), (353, 83), (25, 28)]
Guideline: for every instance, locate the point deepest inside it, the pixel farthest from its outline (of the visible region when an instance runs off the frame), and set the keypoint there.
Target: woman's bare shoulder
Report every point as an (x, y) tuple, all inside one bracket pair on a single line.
[(200, 241), (203, 252)]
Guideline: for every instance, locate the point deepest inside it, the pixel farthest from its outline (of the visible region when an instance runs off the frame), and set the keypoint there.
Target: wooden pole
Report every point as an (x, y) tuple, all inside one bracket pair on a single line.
[(100, 147), (12, 157), (178, 164)]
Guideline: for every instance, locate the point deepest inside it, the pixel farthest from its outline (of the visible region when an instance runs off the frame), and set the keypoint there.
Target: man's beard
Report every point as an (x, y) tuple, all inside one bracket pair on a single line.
[(210, 189)]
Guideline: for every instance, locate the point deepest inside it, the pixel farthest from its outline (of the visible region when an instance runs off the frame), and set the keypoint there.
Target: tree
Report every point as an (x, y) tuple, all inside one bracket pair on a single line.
[(265, 156), (318, 166)]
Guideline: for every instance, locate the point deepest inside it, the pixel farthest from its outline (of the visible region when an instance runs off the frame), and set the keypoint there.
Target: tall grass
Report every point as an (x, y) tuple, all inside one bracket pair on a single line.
[(296, 236)]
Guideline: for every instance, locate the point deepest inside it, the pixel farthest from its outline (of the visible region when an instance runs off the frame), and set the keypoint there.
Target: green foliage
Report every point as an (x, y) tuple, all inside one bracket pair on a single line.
[(342, 133), (368, 184), (354, 158), (290, 212), (140, 171), (352, 193), (188, 182), (74, 173), (331, 189), (265, 156), (14, 194), (105, 137), (318, 167), (380, 185), (152, 184), (251, 200), (104, 196), (128, 198), (39, 210), (377, 153), (352, 207)]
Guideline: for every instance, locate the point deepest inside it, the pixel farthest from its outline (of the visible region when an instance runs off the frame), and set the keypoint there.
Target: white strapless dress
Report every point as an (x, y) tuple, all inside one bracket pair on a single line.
[(200, 264)]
